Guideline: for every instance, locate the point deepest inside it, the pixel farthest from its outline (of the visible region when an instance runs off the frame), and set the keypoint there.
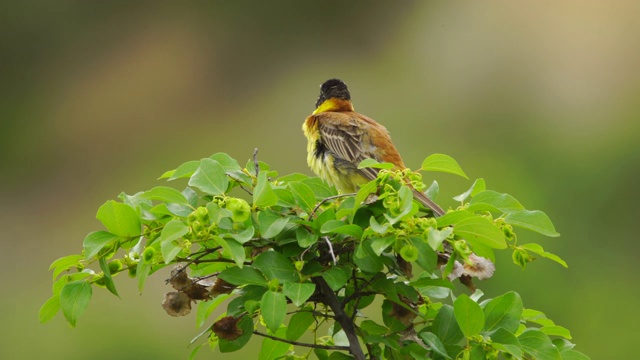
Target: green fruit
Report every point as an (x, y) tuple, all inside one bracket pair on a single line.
[(409, 253), (202, 214), (115, 266), (192, 217), (148, 254), (100, 280), (197, 226), (521, 257), (240, 209)]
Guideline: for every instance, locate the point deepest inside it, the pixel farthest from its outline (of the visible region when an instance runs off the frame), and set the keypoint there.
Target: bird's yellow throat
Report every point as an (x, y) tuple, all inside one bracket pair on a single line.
[(334, 104)]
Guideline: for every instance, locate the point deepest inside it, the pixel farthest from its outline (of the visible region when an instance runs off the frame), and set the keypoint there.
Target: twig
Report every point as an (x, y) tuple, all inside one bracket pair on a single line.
[(192, 261), (342, 318), (313, 212), (255, 161), (333, 256), (296, 343), (239, 184)]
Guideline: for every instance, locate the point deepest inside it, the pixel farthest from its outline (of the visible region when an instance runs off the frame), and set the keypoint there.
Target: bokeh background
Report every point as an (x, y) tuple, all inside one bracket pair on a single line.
[(541, 99)]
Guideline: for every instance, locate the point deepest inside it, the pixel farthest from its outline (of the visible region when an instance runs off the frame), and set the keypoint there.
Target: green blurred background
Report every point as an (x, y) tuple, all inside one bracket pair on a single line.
[(539, 98)]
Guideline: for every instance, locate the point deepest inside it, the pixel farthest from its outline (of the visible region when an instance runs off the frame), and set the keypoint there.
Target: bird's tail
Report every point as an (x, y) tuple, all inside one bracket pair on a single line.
[(428, 203)]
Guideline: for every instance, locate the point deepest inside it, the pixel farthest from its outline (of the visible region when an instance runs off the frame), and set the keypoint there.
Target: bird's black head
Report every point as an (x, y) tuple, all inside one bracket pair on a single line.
[(333, 88)]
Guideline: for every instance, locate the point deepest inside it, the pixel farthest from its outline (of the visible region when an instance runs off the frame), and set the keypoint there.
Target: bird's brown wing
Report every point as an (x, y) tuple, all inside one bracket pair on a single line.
[(352, 137), (345, 136)]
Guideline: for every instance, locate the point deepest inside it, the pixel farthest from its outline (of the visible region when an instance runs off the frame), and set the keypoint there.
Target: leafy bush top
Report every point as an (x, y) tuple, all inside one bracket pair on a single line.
[(341, 271)]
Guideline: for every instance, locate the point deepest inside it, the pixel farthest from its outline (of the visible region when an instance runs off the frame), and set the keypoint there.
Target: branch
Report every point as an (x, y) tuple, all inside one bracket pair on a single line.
[(313, 212), (255, 161), (315, 346), (341, 317)]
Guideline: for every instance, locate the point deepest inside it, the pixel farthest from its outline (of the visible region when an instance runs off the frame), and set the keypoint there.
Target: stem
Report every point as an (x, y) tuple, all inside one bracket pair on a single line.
[(341, 317), (313, 212), (315, 346)]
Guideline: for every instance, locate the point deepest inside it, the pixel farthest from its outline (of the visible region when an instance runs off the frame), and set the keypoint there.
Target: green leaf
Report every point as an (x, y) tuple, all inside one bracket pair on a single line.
[(274, 309), (271, 224), (555, 330), (453, 217), (494, 201), (243, 276), (379, 245), (366, 259), (469, 315), (443, 163), (433, 190), (95, 241), (477, 187), (339, 227), (335, 277), (377, 227), (228, 163), (166, 194), (574, 355), (339, 356), (427, 257), (432, 341), (362, 194), (49, 309), (210, 178), (245, 324), (233, 249), (292, 177), (64, 264), (171, 232), (298, 293), (74, 299), (320, 188), (505, 341), (504, 311), (534, 220), (276, 266), (142, 272), (205, 308), (480, 230), (196, 349), (326, 215), (373, 163), (274, 349), (120, 219), (263, 195), (424, 282), (183, 171), (435, 237), (244, 235), (537, 249), (373, 328), (305, 238), (285, 197), (537, 344), (107, 277), (299, 324), (305, 198)]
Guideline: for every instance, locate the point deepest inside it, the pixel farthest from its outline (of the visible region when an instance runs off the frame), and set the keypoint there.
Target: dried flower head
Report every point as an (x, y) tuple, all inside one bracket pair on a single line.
[(227, 328), (179, 278), (221, 287), (401, 313), (176, 303), (479, 267)]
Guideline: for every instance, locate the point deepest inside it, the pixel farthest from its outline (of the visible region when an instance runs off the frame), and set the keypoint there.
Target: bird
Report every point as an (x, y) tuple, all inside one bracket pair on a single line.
[(339, 138)]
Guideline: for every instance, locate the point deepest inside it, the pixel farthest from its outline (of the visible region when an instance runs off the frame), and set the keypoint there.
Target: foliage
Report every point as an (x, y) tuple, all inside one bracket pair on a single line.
[(299, 261)]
